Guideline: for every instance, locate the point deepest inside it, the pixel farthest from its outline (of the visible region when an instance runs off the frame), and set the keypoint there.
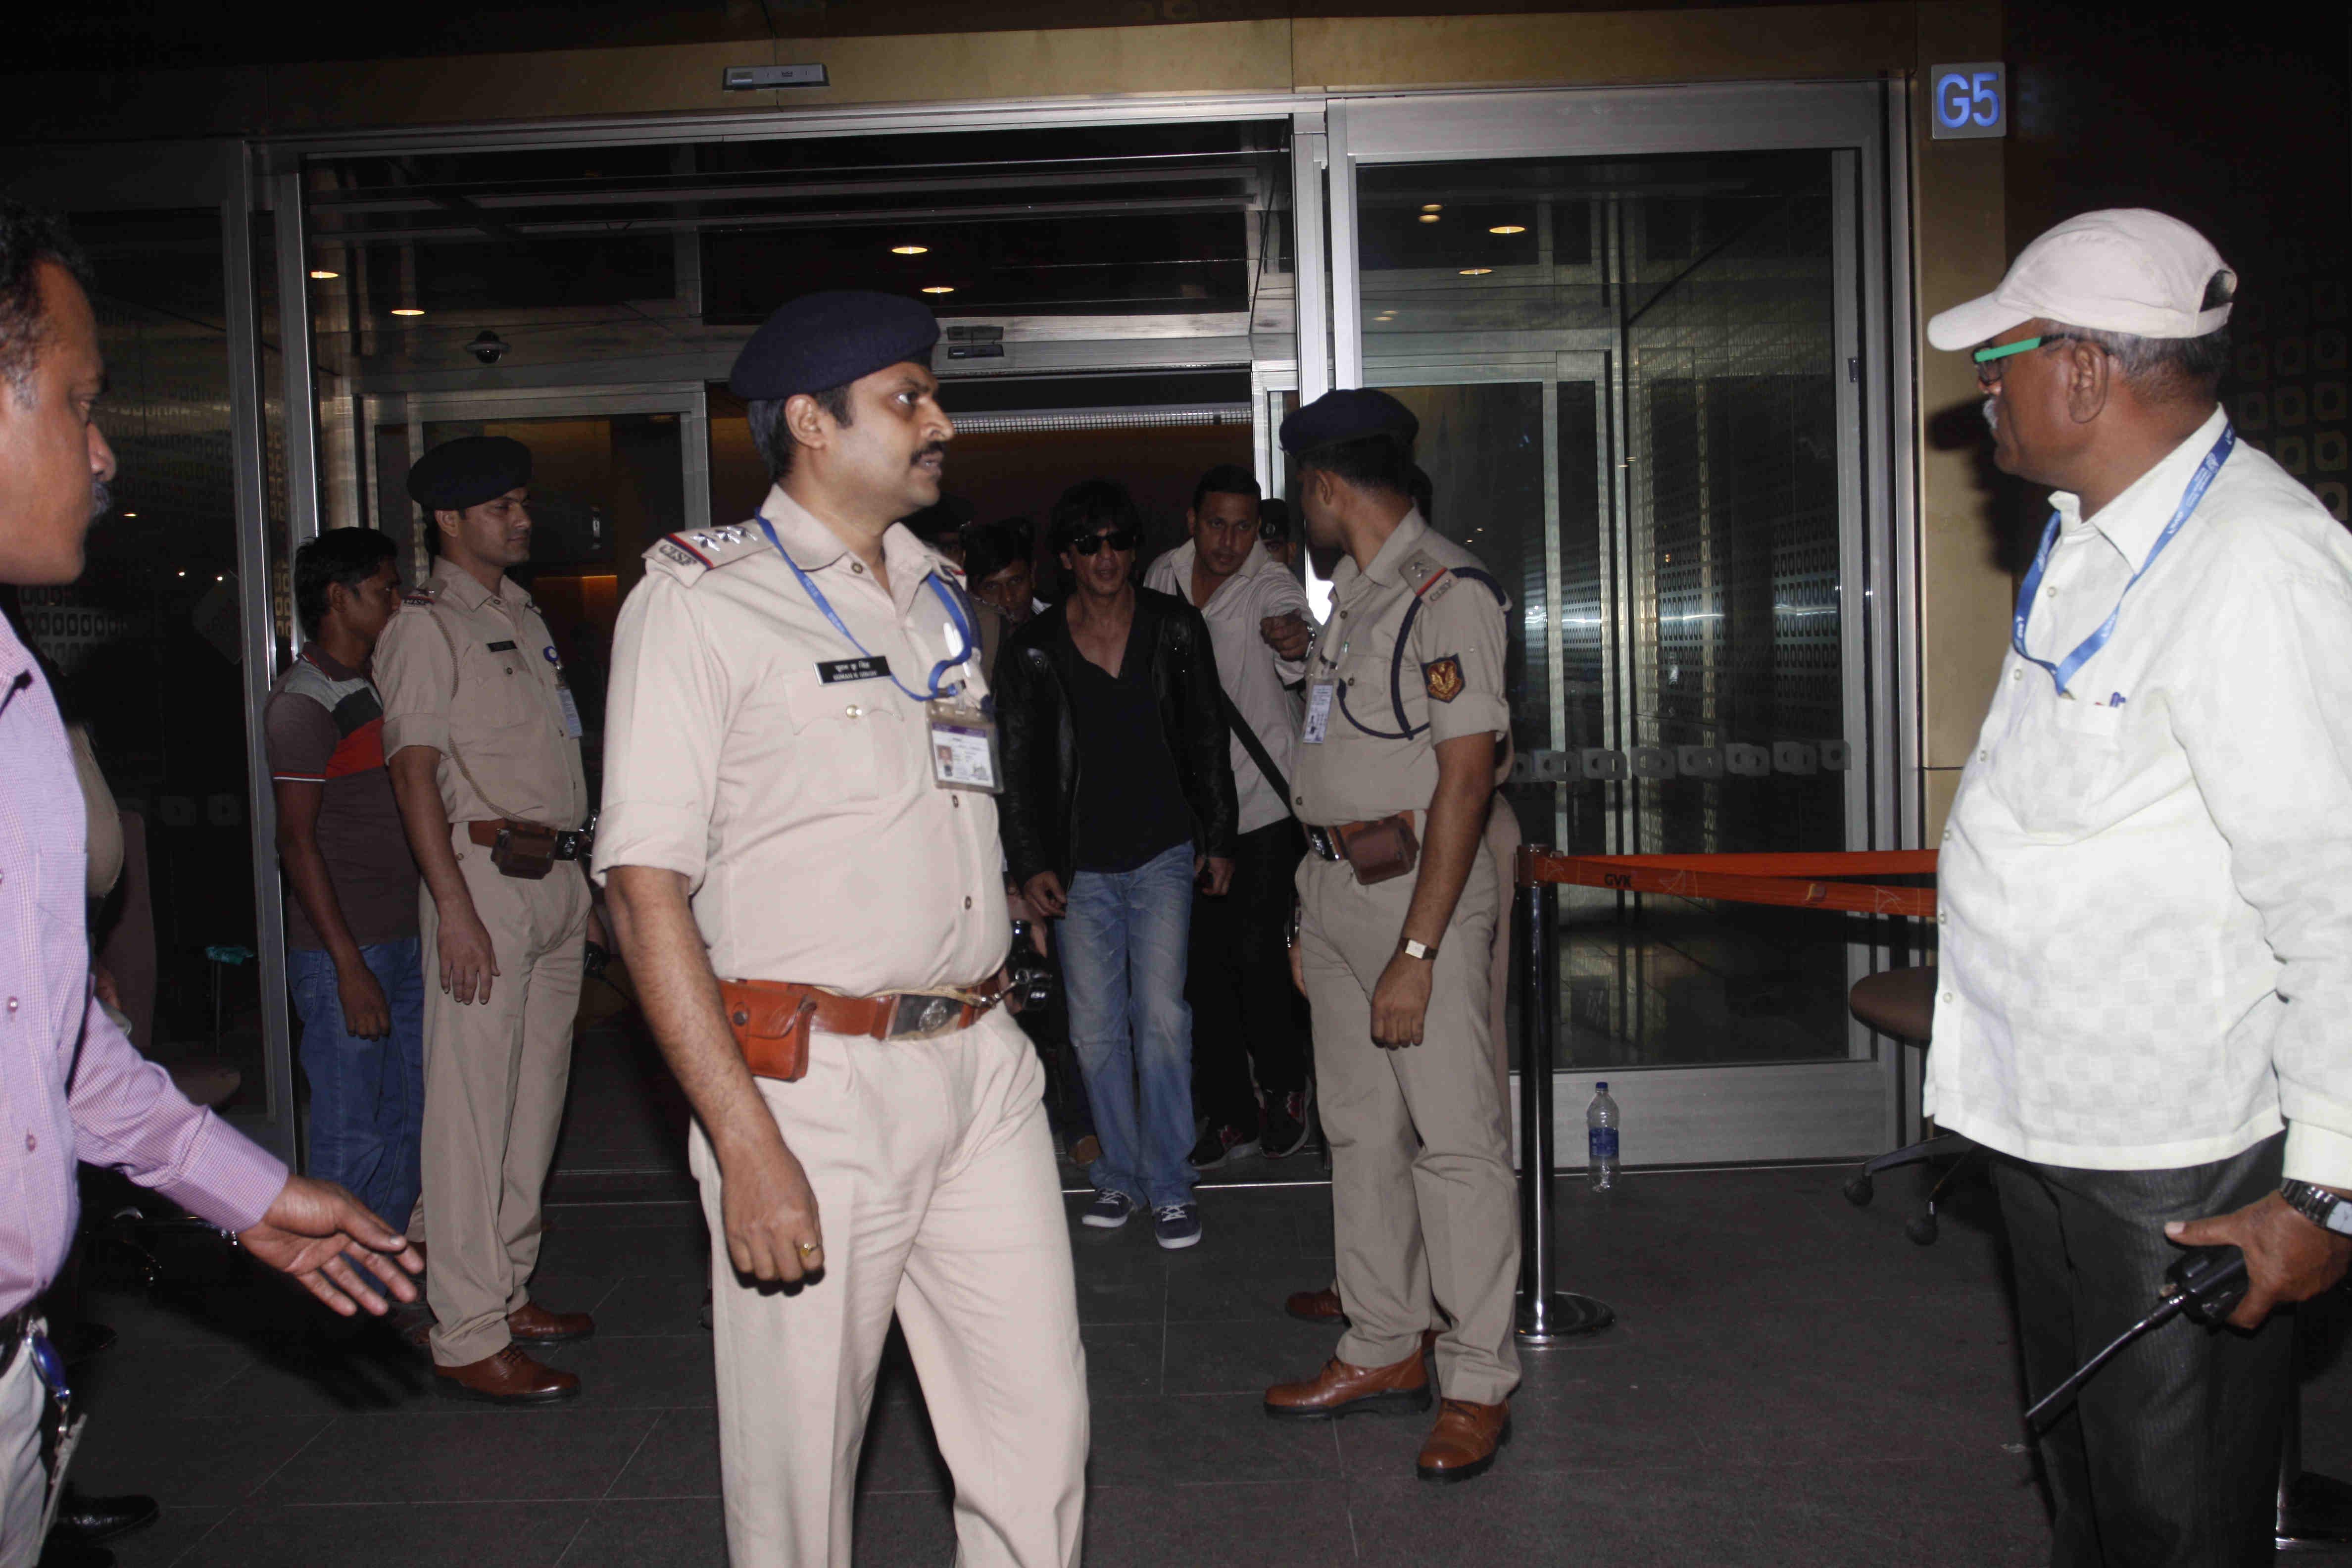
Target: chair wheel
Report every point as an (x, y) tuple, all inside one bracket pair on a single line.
[(1858, 1189), (1921, 1229)]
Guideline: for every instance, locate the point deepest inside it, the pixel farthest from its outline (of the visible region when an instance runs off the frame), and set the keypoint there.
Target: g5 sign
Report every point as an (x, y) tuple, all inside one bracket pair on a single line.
[(1967, 100)]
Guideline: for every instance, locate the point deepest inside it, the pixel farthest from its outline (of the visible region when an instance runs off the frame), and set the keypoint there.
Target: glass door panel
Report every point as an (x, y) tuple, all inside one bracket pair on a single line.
[(1633, 371)]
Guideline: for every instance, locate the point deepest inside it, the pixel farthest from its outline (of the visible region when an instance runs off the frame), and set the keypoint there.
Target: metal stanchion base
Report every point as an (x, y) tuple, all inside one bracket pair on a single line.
[(1569, 1316), (2316, 1512)]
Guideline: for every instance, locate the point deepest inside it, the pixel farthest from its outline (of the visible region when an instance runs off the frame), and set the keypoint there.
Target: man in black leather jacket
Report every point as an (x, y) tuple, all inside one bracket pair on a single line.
[(1119, 792)]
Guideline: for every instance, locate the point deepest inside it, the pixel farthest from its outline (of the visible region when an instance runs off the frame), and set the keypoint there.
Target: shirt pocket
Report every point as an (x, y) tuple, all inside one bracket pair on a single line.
[(2061, 771), (500, 690), (852, 738)]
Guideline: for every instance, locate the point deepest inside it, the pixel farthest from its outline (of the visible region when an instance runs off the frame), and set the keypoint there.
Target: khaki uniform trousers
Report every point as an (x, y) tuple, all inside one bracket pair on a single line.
[(495, 1075), (937, 1199), (1423, 1200)]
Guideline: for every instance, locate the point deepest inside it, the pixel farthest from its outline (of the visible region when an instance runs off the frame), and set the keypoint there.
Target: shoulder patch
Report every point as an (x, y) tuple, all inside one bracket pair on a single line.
[(1444, 677), (690, 552)]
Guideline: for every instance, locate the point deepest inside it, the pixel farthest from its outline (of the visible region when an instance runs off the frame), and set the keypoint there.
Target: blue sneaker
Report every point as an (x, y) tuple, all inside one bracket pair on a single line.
[(1109, 1210), (1177, 1225)]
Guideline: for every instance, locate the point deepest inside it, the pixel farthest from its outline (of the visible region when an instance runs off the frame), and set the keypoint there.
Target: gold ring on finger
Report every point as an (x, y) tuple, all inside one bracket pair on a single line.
[(809, 1247)]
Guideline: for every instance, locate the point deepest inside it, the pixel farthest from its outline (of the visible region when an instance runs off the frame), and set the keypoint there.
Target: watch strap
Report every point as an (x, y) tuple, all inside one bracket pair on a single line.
[(2318, 1206)]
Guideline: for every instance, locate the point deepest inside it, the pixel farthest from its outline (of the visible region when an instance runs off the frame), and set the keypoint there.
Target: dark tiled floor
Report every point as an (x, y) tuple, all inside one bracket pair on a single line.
[(1791, 1382)]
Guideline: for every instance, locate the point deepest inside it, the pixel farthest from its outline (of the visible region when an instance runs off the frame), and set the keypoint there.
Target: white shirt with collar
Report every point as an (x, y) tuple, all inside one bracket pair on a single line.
[(2147, 885), (1252, 675)]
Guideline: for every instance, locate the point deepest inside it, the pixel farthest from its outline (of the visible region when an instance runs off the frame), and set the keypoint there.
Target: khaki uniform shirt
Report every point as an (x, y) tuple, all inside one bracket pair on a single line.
[(747, 749), (1414, 649), (472, 674)]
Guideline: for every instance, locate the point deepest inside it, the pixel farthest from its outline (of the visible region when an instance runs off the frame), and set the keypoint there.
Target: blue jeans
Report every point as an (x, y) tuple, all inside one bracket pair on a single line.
[(367, 1097), (1123, 951)]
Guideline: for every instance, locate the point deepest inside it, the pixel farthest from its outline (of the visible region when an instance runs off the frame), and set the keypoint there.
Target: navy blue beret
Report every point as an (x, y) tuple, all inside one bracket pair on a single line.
[(819, 342), (1351, 414), (467, 472)]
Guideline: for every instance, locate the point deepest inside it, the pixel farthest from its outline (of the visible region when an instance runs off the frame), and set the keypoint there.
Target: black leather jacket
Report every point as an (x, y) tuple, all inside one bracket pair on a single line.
[(1038, 814)]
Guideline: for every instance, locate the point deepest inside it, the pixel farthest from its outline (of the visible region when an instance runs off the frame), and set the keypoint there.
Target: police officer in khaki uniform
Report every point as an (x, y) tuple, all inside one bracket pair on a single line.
[(483, 740), (1404, 718), (799, 842)]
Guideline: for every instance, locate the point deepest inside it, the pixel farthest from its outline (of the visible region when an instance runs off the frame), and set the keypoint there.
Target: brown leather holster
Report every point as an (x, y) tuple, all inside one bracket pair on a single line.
[(1380, 850), (772, 1018)]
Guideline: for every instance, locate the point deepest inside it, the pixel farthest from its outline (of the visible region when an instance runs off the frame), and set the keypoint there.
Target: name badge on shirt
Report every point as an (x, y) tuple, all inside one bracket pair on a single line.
[(872, 666), (1318, 713), (572, 728), (963, 745)]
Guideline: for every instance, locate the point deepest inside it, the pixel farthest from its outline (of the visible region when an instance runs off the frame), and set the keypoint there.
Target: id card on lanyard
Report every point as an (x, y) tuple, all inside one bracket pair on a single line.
[(2063, 671), (962, 732)]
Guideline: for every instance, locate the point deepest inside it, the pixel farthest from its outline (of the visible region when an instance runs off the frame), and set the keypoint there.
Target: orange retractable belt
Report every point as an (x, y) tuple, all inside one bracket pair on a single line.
[(1794, 881)]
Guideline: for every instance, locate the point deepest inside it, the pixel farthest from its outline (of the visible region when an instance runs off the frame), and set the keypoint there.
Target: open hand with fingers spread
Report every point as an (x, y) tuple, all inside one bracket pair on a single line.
[(313, 1231)]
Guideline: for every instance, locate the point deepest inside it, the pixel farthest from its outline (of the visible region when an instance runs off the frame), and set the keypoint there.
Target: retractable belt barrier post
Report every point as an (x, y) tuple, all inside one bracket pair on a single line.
[(1806, 882)]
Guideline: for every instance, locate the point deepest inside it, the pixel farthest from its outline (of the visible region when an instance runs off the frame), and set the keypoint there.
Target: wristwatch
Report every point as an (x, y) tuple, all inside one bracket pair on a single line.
[(1412, 949), (2318, 1206)]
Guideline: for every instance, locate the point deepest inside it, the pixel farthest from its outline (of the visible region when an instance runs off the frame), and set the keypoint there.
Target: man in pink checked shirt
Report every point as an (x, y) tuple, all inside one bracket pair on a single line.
[(71, 1088)]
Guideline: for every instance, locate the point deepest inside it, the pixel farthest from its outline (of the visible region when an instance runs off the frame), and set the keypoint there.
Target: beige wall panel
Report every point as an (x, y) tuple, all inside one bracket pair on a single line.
[(474, 88), (1603, 46), (1943, 783), (1960, 252)]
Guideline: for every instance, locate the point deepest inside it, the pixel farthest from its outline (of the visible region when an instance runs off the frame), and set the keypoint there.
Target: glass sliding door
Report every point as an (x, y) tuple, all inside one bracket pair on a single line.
[(1632, 334)]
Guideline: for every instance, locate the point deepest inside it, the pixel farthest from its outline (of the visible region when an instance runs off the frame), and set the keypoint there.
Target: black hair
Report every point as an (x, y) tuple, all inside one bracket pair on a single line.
[(29, 237), (990, 547), (1379, 462), (346, 555), (1227, 480), (1092, 506), (777, 444), (1273, 518), (1423, 493)]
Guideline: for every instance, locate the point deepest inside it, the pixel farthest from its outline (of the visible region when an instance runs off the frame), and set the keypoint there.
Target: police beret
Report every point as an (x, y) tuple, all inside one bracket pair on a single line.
[(824, 340), (467, 472), (1351, 414)]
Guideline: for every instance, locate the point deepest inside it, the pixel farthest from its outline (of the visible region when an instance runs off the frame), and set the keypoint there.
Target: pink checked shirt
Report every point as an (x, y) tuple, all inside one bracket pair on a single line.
[(71, 1088)]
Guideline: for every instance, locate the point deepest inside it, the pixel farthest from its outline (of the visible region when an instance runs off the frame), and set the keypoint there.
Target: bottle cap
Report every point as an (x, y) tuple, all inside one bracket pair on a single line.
[(1600, 1088)]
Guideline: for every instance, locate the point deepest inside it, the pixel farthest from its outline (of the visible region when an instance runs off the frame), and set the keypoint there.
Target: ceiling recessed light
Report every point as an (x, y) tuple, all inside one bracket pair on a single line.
[(1508, 228), (1433, 206), (938, 288), (184, 573), (1429, 217), (130, 514), (321, 273), (407, 310), (1475, 271), (911, 250)]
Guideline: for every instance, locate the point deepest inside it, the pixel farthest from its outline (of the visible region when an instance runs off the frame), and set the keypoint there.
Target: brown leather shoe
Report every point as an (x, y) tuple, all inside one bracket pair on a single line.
[(1340, 1389), (535, 1325), (1463, 1442), (509, 1377), (1317, 1307)]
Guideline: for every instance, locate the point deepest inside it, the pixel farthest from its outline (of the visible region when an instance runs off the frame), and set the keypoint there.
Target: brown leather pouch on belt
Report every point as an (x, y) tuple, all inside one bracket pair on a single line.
[(525, 852), (770, 1020), (1380, 851)]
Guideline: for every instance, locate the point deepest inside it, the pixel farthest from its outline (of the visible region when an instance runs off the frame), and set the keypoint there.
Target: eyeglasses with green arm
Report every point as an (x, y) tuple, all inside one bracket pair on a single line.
[(1985, 357)]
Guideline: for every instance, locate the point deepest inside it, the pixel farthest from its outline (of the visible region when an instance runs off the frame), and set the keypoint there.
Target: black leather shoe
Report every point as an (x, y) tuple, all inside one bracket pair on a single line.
[(87, 1521)]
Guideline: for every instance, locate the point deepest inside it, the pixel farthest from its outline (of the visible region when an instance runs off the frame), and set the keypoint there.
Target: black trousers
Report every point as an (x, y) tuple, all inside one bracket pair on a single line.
[(2169, 1457), (1237, 980)]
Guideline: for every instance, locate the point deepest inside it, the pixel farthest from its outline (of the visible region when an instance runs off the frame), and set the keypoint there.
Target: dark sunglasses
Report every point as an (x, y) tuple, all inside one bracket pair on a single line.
[(1117, 539)]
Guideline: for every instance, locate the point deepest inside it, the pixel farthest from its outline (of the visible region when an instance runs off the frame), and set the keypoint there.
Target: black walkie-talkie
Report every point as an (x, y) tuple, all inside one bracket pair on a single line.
[(2207, 1283)]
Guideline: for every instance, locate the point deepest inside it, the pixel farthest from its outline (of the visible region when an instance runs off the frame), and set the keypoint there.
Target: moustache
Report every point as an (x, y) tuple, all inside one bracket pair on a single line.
[(936, 449), (101, 498)]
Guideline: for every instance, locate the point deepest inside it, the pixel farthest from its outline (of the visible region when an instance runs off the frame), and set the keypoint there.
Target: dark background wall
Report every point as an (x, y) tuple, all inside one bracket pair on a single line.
[(2233, 119)]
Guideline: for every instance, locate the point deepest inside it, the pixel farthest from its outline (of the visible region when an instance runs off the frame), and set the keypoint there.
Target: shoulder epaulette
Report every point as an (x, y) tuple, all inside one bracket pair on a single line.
[(423, 598), (1431, 579), (691, 552)]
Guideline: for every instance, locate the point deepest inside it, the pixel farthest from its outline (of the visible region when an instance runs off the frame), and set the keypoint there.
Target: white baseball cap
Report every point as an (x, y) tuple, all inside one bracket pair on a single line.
[(2124, 270)]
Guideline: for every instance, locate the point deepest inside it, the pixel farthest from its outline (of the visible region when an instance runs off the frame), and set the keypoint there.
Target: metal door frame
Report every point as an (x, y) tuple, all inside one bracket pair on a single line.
[(1769, 1110)]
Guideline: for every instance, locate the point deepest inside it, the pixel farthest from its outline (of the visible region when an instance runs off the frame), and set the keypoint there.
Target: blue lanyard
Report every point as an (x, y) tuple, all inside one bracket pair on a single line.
[(2065, 669), (956, 616)]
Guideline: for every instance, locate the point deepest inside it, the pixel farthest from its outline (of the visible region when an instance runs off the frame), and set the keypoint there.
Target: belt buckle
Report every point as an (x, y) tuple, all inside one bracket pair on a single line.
[(568, 843), (1319, 840), (915, 1012)]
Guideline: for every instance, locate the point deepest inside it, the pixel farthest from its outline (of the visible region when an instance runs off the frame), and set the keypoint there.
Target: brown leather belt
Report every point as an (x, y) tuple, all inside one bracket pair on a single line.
[(772, 1018), (571, 843), (1378, 850)]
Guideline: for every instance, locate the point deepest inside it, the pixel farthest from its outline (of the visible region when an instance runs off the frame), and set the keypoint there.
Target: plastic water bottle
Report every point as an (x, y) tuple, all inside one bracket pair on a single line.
[(1600, 1141)]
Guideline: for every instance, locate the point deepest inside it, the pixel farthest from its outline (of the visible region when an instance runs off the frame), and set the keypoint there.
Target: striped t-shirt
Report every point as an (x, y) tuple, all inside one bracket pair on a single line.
[(324, 725)]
